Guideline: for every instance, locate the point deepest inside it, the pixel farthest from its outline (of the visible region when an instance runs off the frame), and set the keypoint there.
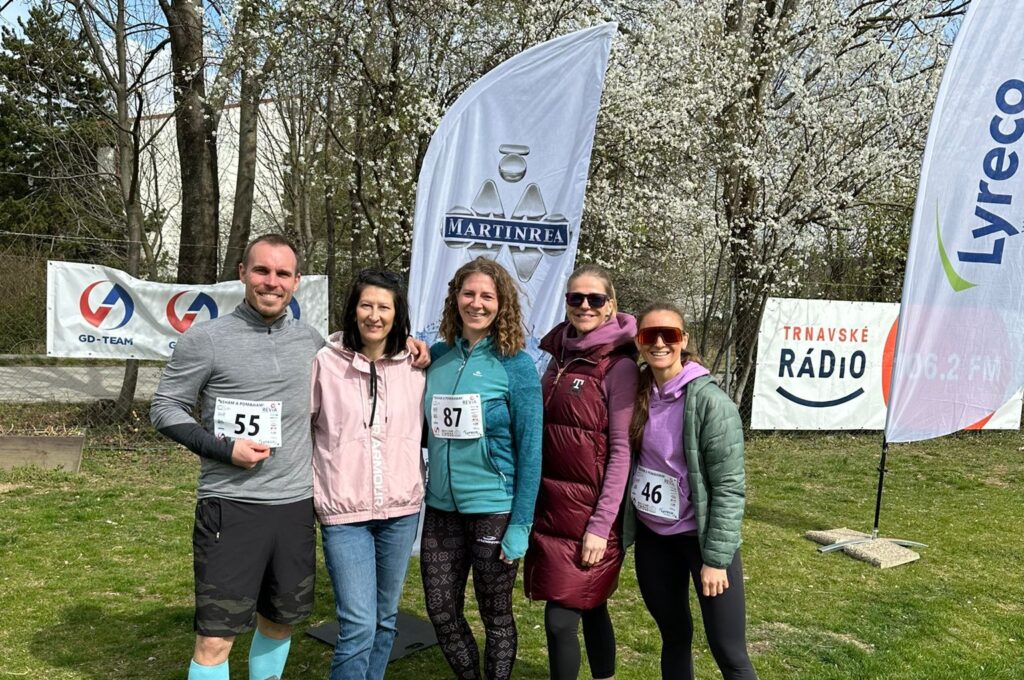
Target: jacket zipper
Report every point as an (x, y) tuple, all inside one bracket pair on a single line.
[(561, 371), (448, 457)]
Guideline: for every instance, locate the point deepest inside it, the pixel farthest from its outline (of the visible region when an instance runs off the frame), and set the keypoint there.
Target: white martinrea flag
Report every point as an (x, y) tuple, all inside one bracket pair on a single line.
[(505, 176), (960, 346)]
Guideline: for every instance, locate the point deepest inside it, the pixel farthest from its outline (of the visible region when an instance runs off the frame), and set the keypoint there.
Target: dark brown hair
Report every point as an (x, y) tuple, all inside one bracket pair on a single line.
[(641, 409), (272, 240)]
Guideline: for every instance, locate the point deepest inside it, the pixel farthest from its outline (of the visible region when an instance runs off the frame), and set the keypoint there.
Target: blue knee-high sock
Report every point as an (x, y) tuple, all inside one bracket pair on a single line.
[(199, 672), (267, 657)]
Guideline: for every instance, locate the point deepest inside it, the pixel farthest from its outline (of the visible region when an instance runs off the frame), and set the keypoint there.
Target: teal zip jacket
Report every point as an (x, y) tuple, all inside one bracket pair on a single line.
[(500, 471), (713, 446)]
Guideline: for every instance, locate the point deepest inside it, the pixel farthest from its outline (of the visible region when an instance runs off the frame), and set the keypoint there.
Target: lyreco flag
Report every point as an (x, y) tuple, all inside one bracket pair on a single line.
[(505, 176), (960, 347), (94, 311), (825, 365)]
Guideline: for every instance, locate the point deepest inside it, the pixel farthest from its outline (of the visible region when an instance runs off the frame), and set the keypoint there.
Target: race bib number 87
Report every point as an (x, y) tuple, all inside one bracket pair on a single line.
[(456, 416), (259, 421)]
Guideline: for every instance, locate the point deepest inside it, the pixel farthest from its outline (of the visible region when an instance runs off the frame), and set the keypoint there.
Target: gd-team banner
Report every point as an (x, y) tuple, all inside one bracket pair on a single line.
[(826, 365), (94, 311)]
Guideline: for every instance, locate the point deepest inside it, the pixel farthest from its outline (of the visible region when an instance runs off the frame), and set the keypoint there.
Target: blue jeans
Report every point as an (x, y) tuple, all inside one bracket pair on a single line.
[(367, 562)]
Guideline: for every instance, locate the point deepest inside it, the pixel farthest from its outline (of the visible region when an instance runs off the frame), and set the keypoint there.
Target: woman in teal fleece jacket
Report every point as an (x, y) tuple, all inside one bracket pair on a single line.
[(485, 421)]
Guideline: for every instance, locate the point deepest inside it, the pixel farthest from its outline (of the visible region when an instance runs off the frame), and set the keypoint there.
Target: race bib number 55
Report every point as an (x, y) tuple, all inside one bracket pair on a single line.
[(456, 416), (259, 421)]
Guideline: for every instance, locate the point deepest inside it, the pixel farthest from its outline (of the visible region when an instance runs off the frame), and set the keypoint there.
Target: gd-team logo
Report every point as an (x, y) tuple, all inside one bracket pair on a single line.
[(184, 322), (97, 317), (530, 232)]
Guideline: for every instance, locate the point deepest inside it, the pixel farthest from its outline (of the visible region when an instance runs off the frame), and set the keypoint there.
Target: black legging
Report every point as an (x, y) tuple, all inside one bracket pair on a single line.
[(562, 626), (452, 543), (664, 567)]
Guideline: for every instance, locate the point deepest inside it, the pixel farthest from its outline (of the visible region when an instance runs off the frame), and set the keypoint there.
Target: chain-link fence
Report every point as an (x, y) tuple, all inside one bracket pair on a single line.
[(40, 394), (47, 396)]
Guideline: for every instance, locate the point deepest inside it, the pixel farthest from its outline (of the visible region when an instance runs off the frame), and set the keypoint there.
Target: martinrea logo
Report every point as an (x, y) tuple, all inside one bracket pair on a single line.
[(999, 165)]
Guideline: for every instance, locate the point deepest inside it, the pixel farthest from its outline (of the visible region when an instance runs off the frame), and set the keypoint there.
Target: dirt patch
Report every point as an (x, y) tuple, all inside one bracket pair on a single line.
[(5, 488), (765, 637), (998, 477)]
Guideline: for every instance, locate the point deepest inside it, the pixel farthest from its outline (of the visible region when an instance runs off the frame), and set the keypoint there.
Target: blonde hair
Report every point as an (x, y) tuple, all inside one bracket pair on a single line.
[(641, 410), (602, 275), (507, 329)]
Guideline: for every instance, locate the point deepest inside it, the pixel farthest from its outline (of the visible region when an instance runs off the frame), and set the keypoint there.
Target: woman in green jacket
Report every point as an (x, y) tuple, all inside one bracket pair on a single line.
[(688, 495)]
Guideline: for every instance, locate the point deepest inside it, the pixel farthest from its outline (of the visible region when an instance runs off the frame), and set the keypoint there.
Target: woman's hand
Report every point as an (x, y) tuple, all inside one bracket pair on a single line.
[(419, 351), (713, 581), (593, 549)]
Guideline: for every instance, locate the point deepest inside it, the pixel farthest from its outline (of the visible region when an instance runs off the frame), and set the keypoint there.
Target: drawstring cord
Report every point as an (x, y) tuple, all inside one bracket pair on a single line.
[(373, 391)]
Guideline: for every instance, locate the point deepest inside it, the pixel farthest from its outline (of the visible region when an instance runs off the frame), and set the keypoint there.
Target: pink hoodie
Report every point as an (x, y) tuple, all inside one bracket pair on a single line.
[(364, 471)]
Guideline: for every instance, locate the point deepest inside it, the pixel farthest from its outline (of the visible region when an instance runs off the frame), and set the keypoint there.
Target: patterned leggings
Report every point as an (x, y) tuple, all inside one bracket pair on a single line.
[(451, 544)]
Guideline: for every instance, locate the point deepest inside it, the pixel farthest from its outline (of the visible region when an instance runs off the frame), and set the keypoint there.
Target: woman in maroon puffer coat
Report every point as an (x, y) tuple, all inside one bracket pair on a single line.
[(575, 551)]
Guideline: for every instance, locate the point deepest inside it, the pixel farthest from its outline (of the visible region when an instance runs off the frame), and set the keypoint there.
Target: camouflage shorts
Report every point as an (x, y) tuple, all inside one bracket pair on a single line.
[(250, 558)]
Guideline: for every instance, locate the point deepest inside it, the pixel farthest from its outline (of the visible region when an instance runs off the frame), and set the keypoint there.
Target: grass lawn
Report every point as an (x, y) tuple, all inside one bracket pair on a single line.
[(96, 580)]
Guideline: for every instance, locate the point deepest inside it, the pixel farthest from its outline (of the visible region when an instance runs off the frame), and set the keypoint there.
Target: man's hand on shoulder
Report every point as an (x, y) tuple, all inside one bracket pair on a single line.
[(246, 453), (419, 351)]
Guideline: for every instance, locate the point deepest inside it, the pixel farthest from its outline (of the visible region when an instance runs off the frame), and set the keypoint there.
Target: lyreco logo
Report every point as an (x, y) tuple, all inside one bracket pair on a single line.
[(992, 205), (115, 296), (199, 303), (826, 358), (529, 232)]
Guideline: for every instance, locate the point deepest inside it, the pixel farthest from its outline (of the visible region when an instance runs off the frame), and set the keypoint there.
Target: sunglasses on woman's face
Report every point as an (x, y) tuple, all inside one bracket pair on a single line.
[(595, 300), (668, 335)]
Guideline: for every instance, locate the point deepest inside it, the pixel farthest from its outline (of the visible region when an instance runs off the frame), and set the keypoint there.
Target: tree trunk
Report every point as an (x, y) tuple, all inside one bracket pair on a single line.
[(241, 216), (195, 124), (128, 142)]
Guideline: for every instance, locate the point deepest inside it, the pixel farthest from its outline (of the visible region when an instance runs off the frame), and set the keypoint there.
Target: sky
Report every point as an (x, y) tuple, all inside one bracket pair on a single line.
[(9, 16)]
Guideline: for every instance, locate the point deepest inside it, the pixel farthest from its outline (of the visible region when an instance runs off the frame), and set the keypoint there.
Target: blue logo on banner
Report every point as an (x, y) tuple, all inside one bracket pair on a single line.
[(527, 234)]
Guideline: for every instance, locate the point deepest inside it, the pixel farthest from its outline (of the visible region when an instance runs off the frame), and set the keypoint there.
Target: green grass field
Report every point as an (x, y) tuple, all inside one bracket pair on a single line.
[(96, 581)]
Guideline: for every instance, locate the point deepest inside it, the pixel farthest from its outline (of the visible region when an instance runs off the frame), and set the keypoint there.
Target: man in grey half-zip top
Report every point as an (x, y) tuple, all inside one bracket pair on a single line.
[(253, 542)]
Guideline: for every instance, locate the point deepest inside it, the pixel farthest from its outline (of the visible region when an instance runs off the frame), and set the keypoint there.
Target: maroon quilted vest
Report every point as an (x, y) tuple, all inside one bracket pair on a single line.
[(573, 465)]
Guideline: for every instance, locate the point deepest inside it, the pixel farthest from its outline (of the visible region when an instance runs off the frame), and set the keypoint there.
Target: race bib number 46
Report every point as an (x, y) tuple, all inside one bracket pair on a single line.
[(259, 421), (655, 493), (456, 416)]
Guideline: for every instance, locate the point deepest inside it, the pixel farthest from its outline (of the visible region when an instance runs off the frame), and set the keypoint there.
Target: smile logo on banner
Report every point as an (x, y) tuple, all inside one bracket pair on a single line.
[(184, 322), (529, 232), (116, 296), (825, 360)]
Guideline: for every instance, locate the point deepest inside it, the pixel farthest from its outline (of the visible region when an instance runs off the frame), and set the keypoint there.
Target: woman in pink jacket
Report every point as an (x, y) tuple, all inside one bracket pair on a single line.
[(367, 403)]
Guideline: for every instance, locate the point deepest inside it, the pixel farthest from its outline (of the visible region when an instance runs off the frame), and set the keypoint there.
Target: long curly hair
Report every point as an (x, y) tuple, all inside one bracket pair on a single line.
[(641, 409), (507, 329)]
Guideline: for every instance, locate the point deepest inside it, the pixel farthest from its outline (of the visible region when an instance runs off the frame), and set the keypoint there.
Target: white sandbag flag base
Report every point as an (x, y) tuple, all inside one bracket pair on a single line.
[(880, 552)]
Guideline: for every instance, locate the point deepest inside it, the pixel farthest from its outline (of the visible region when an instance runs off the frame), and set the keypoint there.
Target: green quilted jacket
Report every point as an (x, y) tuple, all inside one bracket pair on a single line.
[(713, 443)]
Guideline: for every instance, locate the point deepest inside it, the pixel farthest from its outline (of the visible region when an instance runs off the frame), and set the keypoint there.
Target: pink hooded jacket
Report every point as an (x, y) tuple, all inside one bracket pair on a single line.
[(365, 470)]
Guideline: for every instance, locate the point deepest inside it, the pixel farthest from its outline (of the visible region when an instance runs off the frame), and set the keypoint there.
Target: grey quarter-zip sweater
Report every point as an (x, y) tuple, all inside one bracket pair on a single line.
[(240, 356)]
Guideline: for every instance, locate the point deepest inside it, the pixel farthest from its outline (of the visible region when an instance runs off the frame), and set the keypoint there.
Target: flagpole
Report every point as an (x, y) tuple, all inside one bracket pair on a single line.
[(878, 514)]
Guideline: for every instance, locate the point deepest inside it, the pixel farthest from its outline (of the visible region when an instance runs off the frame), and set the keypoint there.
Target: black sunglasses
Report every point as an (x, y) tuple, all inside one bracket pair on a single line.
[(595, 300)]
